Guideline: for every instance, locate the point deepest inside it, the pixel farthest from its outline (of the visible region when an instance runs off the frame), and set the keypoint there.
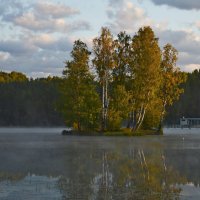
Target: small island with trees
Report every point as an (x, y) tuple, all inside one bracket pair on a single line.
[(122, 86), (127, 80)]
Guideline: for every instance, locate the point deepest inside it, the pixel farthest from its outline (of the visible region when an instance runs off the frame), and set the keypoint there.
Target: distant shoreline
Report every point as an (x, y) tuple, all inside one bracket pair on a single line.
[(125, 133), (171, 131)]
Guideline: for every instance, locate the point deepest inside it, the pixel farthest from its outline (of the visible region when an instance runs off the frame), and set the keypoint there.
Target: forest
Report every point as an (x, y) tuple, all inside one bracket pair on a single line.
[(28, 102), (124, 81), (188, 104)]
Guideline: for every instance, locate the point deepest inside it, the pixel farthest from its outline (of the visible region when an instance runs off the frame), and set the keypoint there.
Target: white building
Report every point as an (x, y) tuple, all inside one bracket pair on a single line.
[(190, 122)]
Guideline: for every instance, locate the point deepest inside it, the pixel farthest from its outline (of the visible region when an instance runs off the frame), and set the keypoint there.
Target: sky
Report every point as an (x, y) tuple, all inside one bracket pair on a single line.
[(37, 35)]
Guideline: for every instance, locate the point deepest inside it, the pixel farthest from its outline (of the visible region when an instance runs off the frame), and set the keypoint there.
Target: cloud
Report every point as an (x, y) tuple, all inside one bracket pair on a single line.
[(113, 3), (186, 42), (180, 4), (196, 24), (36, 55), (126, 16), (17, 47), (42, 36), (47, 42), (43, 16), (4, 55), (33, 22), (191, 67), (38, 64), (9, 9), (55, 10)]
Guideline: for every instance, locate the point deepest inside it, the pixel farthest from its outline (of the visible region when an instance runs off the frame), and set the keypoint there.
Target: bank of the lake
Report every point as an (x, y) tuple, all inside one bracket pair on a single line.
[(123, 132)]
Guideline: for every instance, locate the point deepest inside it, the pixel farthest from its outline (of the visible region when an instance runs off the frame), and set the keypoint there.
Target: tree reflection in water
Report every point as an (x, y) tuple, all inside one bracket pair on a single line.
[(137, 175)]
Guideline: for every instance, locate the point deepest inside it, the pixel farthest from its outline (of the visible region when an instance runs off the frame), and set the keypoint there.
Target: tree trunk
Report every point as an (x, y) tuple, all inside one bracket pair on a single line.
[(104, 102), (103, 107), (137, 118), (130, 120), (141, 119), (160, 126)]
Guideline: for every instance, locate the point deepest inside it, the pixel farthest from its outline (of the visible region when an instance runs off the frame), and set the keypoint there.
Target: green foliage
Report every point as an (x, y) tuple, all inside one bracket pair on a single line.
[(122, 58), (12, 77), (119, 107), (80, 102), (103, 50), (103, 61), (172, 79), (26, 102), (145, 73), (152, 117)]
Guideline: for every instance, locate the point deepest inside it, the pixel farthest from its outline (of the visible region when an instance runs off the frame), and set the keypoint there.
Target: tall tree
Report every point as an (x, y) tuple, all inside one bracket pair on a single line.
[(103, 49), (80, 99), (122, 59), (145, 72), (119, 96), (172, 78)]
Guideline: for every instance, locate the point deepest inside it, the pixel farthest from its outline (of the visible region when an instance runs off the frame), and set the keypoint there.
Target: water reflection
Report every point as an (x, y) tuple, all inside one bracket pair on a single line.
[(28, 187), (49, 166), (138, 175)]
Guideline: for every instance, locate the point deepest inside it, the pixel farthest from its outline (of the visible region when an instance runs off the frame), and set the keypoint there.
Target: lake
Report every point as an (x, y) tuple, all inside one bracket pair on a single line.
[(40, 163)]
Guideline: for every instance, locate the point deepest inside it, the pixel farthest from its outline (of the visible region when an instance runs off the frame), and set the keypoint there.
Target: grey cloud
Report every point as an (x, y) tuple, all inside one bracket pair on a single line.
[(126, 17), (31, 22), (115, 2), (183, 41), (187, 59), (181, 4), (17, 47), (56, 11), (10, 9), (186, 45), (80, 25), (7, 6), (62, 44), (42, 17), (110, 14), (41, 64), (34, 57)]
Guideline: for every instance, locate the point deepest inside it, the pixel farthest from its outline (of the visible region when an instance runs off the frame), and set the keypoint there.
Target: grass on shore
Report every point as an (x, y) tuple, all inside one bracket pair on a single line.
[(128, 132), (122, 132)]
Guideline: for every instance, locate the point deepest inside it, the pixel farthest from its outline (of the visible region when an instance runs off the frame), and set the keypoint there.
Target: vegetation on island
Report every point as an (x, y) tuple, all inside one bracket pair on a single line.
[(123, 81), (135, 80)]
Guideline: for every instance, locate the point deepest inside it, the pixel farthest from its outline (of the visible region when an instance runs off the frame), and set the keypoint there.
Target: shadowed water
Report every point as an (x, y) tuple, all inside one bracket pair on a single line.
[(42, 164)]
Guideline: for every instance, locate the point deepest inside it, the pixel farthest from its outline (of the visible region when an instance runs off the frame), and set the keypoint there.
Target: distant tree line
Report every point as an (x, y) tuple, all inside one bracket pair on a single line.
[(28, 102), (124, 80), (188, 104)]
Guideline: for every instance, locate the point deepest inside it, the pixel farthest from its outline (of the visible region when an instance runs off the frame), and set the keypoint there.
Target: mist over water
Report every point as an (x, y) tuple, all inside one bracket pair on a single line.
[(40, 163)]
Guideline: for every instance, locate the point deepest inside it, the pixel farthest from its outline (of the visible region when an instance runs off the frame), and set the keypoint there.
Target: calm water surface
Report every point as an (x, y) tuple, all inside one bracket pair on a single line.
[(42, 164)]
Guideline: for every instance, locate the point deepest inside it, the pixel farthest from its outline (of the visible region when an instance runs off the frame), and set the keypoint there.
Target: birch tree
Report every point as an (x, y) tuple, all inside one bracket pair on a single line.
[(122, 59), (145, 72), (119, 95), (103, 49)]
